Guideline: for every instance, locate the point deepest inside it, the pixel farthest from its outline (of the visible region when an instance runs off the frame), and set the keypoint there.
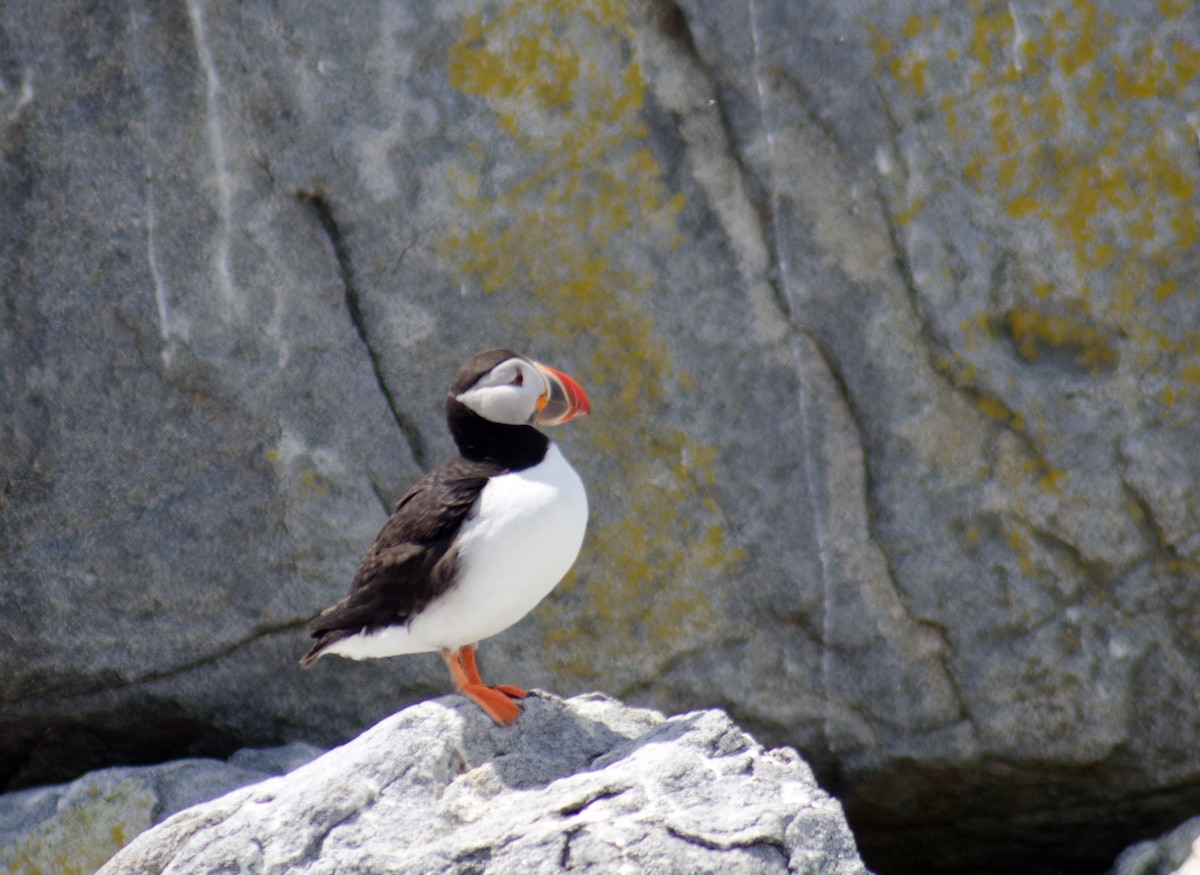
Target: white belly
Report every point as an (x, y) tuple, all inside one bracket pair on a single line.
[(522, 536)]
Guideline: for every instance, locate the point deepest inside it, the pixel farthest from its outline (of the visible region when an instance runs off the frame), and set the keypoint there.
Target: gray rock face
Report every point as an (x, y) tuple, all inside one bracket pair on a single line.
[(887, 311), (77, 827), (585, 785)]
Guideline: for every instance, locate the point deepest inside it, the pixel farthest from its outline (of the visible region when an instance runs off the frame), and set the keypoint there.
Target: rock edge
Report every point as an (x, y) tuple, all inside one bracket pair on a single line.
[(581, 784)]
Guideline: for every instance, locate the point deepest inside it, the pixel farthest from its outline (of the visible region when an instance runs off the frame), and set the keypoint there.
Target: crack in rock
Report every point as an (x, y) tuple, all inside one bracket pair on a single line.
[(173, 671), (341, 252), (580, 805), (730, 843)]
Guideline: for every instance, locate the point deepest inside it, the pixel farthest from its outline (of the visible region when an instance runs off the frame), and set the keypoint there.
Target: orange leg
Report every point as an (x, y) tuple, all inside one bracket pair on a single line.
[(467, 654), (495, 703)]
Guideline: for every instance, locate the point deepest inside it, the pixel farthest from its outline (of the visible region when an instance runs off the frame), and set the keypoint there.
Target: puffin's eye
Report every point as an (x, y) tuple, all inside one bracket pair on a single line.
[(518, 380)]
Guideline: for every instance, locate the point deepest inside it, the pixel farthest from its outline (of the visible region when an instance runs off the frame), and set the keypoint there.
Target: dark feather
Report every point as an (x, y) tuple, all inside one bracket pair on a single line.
[(412, 561)]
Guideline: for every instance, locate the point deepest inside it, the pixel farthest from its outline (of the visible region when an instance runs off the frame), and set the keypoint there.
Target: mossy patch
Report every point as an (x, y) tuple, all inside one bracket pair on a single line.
[(1082, 126), (92, 823), (574, 222), (1076, 126)]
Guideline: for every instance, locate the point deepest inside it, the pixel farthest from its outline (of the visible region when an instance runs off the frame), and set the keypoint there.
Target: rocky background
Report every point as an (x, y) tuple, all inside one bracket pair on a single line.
[(888, 314)]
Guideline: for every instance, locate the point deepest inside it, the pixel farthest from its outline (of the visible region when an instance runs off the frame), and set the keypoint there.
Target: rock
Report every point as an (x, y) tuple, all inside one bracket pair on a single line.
[(77, 827), (887, 312), (582, 785), (1176, 853)]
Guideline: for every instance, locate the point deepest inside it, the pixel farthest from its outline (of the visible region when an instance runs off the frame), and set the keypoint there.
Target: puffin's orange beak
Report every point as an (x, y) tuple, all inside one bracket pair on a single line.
[(564, 399)]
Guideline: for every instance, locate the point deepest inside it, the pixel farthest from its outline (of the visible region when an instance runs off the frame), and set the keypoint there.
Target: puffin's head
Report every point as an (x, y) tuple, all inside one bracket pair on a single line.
[(505, 387)]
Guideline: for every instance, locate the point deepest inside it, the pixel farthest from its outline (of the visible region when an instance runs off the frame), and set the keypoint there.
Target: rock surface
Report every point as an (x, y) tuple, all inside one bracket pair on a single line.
[(583, 785), (888, 314), (76, 828), (1176, 853)]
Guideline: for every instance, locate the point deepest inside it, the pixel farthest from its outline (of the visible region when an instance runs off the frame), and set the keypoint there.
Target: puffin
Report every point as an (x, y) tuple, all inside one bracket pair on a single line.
[(477, 542)]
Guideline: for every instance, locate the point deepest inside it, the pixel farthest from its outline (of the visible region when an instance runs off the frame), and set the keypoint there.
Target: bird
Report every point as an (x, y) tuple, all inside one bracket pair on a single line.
[(478, 541)]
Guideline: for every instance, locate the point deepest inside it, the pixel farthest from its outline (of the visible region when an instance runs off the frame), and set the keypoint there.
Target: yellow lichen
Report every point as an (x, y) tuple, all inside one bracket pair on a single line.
[(566, 230), (1080, 128), (1052, 480), (1033, 331), (84, 833), (997, 409), (906, 216), (1173, 8), (1083, 129)]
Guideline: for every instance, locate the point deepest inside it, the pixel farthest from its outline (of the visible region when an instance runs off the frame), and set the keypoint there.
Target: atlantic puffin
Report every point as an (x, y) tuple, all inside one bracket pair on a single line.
[(477, 542)]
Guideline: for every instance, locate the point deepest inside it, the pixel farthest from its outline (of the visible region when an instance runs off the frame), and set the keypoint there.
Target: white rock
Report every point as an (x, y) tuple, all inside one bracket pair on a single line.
[(585, 784)]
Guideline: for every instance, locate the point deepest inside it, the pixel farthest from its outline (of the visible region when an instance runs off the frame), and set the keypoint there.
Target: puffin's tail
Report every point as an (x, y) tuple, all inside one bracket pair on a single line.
[(324, 637), (314, 653)]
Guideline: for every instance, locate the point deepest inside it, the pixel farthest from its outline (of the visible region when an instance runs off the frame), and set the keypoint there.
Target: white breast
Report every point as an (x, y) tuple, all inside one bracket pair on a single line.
[(521, 538)]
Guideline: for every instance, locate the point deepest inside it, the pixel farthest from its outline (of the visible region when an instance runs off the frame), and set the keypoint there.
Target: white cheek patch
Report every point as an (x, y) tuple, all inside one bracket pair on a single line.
[(497, 398), (505, 404)]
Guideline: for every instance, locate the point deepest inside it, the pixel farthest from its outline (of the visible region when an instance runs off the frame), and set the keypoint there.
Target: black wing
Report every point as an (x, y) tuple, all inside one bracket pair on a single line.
[(412, 561)]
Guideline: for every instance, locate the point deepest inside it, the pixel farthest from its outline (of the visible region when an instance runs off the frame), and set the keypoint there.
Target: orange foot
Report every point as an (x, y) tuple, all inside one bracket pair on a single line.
[(496, 701), (467, 655)]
